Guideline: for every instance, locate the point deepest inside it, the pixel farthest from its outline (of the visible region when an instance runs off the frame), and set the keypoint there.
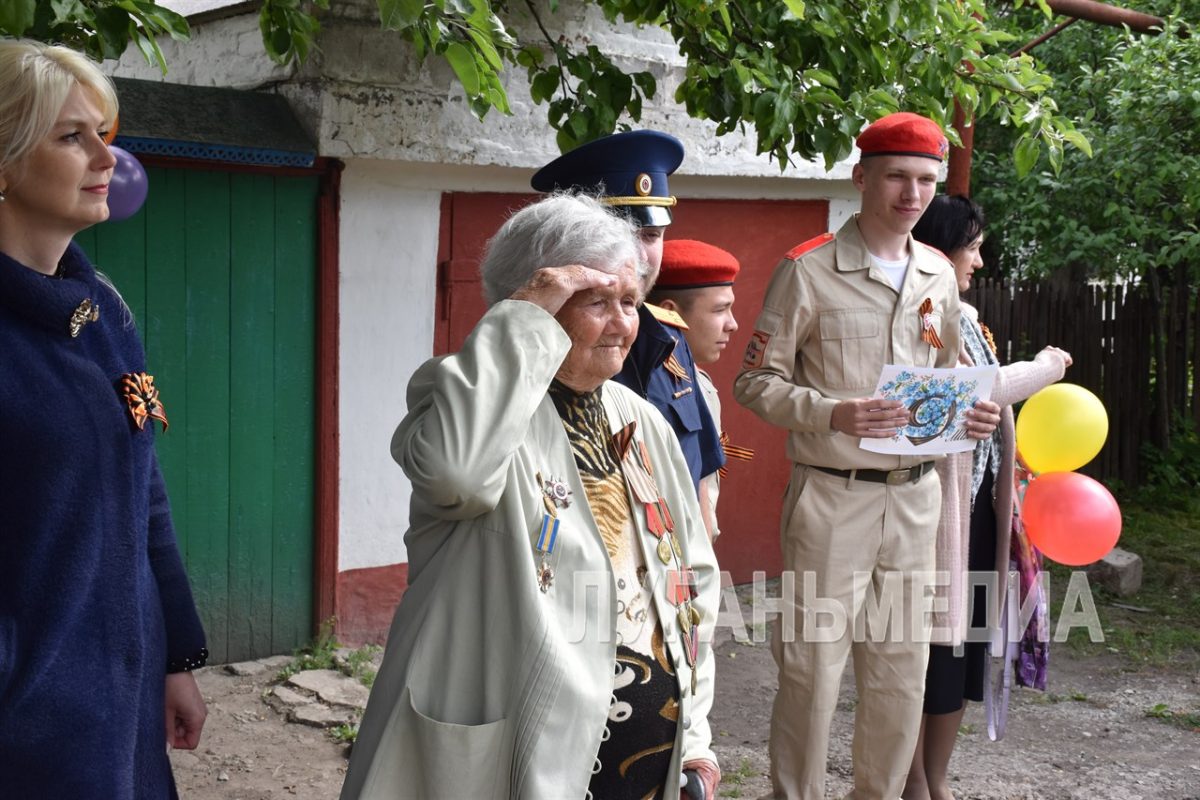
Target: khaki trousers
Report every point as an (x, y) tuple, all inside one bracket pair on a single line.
[(858, 550)]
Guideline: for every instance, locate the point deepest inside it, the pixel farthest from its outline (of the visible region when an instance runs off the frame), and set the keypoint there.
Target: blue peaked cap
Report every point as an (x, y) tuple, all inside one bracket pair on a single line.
[(629, 170)]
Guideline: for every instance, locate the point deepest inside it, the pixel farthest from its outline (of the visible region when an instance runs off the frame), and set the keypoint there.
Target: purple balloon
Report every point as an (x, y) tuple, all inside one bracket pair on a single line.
[(128, 186)]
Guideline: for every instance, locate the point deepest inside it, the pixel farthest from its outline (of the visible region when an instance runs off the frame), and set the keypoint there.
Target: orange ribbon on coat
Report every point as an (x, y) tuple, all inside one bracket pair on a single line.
[(141, 395), (929, 334)]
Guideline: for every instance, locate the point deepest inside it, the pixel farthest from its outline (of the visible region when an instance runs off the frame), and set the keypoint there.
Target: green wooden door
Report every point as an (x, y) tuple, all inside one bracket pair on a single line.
[(219, 270)]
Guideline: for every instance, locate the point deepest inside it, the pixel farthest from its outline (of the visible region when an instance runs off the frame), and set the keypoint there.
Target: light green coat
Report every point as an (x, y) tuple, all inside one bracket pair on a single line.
[(490, 687)]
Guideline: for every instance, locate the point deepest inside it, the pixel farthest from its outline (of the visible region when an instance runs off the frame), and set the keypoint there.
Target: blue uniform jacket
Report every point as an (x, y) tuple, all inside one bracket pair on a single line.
[(685, 411), (94, 600)]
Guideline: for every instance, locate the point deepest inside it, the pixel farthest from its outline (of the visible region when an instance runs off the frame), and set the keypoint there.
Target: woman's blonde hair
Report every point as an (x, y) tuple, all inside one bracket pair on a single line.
[(37, 78)]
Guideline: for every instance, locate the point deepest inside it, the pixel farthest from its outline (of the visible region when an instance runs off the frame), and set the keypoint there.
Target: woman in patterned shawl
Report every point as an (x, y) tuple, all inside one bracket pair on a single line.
[(977, 503), (553, 641)]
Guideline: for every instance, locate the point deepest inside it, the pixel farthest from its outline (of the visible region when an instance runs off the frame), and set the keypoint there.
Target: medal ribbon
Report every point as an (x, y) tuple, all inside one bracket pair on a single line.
[(929, 334), (733, 451)]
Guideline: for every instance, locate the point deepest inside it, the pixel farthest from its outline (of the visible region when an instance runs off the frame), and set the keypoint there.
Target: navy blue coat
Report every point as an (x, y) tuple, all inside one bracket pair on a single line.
[(686, 411), (94, 600)]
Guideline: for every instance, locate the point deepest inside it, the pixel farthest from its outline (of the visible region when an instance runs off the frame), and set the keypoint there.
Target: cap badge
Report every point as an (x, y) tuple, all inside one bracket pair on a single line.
[(643, 185)]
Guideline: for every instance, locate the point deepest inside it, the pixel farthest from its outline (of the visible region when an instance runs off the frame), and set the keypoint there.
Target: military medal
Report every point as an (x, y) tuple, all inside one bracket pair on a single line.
[(639, 474), (664, 549), (545, 576), (547, 538), (680, 590), (555, 495), (557, 491), (929, 334)]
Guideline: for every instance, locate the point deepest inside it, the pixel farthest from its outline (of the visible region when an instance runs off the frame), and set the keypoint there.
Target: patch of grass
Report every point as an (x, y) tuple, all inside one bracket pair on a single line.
[(1167, 633), (1187, 720), (731, 781), (967, 730), (318, 655), (323, 654), (346, 734), (360, 664)]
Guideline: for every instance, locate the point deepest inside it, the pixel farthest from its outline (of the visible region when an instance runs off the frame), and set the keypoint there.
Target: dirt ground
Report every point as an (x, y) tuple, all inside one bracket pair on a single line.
[(1088, 737)]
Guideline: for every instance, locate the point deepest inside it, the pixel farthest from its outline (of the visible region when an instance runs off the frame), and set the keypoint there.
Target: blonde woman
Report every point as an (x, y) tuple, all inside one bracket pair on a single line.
[(98, 630)]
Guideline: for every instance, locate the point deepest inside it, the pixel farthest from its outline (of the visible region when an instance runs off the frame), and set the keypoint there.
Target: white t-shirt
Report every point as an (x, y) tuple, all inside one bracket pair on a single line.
[(895, 270)]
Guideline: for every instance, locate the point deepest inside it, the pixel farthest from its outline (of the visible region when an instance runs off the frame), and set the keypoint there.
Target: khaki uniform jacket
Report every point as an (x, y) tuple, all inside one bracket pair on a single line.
[(490, 687), (830, 321)]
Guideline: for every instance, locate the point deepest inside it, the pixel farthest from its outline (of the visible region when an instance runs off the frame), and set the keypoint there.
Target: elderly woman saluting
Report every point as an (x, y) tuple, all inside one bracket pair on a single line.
[(553, 642)]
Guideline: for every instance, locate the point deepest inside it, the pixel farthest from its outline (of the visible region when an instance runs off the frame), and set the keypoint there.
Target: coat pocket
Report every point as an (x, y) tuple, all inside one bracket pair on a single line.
[(850, 348), (420, 757), (686, 416)]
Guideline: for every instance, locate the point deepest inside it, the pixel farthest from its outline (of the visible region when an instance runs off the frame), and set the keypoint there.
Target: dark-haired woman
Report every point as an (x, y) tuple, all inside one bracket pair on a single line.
[(977, 504)]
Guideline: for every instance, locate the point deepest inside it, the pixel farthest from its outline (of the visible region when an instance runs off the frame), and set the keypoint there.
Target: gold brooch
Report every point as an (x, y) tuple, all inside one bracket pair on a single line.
[(87, 312), (141, 396)]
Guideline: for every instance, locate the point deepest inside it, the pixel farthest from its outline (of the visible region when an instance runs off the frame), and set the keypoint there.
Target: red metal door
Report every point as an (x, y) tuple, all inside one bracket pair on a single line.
[(758, 232)]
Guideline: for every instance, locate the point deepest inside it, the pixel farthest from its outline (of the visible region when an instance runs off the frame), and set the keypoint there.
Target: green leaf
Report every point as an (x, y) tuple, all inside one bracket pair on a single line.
[(795, 8), (397, 15), (490, 56), (462, 61), (821, 76), (1026, 154), (1079, 141), (16, 16), (646, 83), (1055, 152), (544, 85), (64, 10)]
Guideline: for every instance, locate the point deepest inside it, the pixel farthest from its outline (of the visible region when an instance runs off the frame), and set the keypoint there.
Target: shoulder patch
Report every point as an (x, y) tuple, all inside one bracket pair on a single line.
[(666, 316), (811, 244)]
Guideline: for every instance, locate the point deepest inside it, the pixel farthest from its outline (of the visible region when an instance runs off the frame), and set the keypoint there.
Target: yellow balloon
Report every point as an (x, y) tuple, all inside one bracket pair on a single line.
[(1061, 428)]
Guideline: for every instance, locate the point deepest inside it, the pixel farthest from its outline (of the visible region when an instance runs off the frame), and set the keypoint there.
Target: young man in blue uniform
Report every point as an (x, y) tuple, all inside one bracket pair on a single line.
[(629, 171)]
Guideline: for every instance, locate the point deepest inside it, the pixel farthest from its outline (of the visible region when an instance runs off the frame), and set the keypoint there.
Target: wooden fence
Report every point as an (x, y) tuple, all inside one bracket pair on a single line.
[(1110, 333)]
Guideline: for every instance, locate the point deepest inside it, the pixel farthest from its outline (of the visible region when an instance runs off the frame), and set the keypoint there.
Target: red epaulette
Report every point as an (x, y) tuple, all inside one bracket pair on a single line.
[(811, 244)]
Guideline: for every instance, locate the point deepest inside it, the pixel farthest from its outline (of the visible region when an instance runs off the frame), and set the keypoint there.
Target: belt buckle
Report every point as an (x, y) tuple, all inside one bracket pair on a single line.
[(898, 476)]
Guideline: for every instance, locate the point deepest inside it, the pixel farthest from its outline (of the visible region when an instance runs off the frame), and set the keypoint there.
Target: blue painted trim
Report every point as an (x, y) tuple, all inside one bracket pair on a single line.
[(216, 152)]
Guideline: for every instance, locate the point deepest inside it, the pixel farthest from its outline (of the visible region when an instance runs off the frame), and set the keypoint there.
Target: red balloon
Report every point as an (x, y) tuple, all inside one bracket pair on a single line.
[(1071, 518)]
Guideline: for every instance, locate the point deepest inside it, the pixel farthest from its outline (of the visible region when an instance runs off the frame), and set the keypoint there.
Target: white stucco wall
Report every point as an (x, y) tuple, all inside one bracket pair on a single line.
[(387, 283), (225, 52)]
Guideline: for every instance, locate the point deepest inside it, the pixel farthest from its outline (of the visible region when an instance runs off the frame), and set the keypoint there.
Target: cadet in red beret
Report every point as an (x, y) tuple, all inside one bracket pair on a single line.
[(838, 308), (903, 134), (696, 282)]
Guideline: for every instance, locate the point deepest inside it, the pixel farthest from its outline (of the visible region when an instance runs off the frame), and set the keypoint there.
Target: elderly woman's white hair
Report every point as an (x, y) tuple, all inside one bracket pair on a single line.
[(560, 230)]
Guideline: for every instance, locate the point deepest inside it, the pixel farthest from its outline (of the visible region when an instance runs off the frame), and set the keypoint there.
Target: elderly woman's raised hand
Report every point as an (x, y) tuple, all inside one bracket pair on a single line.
[(551, 287)]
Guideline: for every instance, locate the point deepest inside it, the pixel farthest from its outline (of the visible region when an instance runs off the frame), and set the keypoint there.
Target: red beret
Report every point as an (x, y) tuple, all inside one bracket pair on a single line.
[(688, 264), (903, 134)]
